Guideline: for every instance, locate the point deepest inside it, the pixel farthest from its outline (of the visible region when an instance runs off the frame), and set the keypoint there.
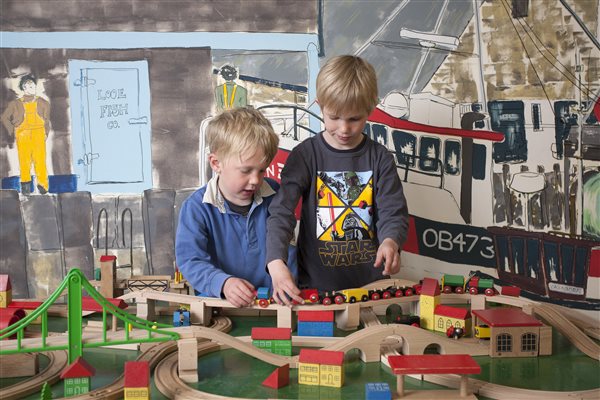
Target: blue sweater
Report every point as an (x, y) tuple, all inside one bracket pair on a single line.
[(214, 243)]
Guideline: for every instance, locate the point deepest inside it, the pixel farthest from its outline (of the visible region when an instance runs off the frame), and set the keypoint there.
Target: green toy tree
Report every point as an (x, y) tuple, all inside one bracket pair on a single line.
[(46, 392)]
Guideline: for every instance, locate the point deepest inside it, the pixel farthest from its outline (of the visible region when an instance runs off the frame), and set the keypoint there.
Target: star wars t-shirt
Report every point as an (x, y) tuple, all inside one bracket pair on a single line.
[(351, 200)]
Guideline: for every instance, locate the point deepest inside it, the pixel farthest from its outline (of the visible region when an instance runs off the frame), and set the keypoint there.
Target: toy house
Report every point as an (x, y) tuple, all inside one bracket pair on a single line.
[(315, 323), (429, 299), (5, 291), (513, 333), (321, 368), (137, 380), (77, 377), (447, 316), (275, 340)]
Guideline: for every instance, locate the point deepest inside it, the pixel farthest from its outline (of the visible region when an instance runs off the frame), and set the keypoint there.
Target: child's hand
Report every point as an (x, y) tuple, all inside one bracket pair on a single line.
[(239, 292), (388, 253), (284, 288)]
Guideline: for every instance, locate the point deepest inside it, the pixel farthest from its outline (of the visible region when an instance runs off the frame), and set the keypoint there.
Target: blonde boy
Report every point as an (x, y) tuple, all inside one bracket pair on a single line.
[(221, 236), (354, 215)]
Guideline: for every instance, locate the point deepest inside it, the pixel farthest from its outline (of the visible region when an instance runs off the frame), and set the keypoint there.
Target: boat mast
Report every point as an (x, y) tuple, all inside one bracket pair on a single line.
[(478, 47), (578, 151)]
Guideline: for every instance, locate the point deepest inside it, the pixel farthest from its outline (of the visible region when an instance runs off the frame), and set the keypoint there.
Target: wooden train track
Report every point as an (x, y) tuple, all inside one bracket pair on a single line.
[(576, 336), (113, 391)]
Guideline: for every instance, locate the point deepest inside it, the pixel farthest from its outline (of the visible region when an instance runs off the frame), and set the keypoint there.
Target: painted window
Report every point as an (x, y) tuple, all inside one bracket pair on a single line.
[(478, 162), (529, 342), (504, 343), (533, 258), (452, 157), (518, 255), (508, 117), (379, 134), (536, 116), (405, 144), (429, 154)]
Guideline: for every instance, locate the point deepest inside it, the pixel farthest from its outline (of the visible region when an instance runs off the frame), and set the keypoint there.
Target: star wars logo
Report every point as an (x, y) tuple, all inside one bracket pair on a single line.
[(344, 254)]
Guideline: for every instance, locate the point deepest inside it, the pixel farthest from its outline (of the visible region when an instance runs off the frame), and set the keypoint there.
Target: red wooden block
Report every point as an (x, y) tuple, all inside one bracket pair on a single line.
[(511, 291), (137, 374), (278, 378), (315, 316), (25, 304), (430, 287), (262, 333)]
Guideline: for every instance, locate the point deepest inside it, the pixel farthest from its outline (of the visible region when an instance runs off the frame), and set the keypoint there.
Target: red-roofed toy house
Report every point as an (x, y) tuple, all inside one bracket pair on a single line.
[(77, 377), (315, 323), (5, 291), (428, 300), (514, 333), (321, 368), (137, 380), (447, 316), (275, 340)]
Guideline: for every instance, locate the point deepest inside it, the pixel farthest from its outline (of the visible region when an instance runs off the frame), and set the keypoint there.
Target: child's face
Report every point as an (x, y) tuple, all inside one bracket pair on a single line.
[(343, 131), (239, 178)]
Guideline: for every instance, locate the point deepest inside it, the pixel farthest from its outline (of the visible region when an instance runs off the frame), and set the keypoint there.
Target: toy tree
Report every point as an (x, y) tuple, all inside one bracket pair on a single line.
[(46, 393)]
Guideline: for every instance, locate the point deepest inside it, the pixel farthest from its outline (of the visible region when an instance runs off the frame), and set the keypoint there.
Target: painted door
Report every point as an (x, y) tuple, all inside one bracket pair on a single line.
[(110, 114)]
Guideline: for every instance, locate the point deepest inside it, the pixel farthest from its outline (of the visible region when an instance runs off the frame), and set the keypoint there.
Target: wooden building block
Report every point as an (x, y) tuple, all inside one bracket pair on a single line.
[(200, 313), (279, 378), (19, 365), (108, 275), (348, 318), (188, 360), (545, 343)]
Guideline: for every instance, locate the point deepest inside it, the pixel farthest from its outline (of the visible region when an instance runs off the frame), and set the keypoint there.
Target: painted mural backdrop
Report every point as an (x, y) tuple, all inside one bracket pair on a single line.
[(490, 108)]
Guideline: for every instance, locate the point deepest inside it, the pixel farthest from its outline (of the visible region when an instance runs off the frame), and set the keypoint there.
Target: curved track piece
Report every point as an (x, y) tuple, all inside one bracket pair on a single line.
[(558, 320)]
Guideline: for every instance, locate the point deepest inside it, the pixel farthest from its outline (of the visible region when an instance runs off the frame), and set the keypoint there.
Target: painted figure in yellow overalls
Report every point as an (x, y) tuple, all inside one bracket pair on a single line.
[(28, 119), (230, 94)]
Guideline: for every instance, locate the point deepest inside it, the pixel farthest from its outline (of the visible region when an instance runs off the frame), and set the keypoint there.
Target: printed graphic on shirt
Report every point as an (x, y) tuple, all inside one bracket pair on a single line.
[(344, 206)]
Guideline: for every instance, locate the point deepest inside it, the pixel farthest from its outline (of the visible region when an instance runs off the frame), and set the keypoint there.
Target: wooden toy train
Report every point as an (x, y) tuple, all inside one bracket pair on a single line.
[(472, 284)]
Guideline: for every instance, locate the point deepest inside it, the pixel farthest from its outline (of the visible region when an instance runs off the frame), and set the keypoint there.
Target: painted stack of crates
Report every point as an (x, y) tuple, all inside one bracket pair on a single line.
[(275, 340), (315, 323)]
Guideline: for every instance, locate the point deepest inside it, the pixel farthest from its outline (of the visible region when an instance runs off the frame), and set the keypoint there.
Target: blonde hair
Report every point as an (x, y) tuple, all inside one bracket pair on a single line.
[(241, 132), (347, 84)]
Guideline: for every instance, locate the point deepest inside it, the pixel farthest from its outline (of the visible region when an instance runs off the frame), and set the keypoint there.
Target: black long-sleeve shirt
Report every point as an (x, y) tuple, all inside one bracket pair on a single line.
[(351, 201)]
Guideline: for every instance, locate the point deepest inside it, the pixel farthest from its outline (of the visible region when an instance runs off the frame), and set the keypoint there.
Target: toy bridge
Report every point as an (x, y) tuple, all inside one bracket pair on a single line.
[(74, 283)]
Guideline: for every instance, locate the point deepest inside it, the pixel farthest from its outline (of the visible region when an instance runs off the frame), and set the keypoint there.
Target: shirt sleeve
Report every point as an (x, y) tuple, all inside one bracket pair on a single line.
[(392, 210), (191, 251), (282, 220)]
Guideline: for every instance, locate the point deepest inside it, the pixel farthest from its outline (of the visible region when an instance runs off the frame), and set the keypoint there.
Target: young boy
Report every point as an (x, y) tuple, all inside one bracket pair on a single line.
[(220, 241), (354, 216)]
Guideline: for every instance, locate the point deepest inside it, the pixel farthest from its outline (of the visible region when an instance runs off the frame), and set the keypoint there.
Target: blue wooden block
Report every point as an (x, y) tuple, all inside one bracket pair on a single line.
[(262, 293), (306, 328), (377, 391), (181, 318)]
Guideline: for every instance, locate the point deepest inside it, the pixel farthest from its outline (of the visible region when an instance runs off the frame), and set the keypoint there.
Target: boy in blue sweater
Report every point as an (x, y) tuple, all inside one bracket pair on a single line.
[(220, 244)]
